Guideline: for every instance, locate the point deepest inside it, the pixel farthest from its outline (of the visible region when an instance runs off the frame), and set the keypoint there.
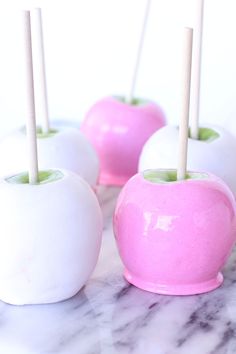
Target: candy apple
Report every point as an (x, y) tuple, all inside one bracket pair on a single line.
[(65, 148), (118, 131), (50, 236), (174, 237), (213, 152)]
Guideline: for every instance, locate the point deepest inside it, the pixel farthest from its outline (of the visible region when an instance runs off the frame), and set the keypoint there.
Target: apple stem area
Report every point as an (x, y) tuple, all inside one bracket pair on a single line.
[(43, 177), (170, 176)]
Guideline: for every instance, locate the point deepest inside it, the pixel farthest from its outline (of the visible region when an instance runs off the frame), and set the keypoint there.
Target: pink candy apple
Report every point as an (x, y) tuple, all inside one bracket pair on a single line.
[(175, 236), (118, 131)]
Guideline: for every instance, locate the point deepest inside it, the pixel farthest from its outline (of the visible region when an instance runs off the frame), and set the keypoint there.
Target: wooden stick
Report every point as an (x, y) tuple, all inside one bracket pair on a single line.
[(39, 69), (184, 122), (196, 72), (30, 105), (139, 53)]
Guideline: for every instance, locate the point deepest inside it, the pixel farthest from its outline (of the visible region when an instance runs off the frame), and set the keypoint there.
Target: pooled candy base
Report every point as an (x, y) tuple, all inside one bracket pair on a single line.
[(175, 289)]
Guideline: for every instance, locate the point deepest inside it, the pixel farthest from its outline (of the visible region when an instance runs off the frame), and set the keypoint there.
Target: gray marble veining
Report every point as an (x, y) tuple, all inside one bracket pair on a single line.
[(109, 316)]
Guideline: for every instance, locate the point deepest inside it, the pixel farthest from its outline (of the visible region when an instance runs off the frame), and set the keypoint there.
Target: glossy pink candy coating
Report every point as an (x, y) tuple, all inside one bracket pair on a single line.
[(175, 237), (118, 132)]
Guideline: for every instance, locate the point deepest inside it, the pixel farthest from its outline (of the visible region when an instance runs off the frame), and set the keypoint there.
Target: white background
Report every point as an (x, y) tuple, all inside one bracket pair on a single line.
[(90, 48)]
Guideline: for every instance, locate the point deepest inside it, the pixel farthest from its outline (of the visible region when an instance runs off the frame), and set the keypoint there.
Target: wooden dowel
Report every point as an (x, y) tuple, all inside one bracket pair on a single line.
[(30, 105), (184, 121), (39, 69), (139, 53), (196, 72)]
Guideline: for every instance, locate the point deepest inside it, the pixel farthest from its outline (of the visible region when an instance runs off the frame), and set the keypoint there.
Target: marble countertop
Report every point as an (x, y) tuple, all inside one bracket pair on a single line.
[(109, 316)]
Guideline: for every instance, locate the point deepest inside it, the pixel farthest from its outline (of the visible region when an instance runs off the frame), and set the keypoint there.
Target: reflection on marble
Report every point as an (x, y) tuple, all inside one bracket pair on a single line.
[(109, 316)]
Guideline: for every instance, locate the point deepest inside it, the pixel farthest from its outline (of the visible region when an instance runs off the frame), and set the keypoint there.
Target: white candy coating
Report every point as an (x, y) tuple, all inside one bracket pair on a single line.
[(50, 237), (216, 156), (68, 149)]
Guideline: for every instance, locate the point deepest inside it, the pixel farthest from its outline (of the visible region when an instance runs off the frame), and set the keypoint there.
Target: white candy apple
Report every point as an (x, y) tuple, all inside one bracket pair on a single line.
[(213, 152), (65, 148), (50, 237)]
